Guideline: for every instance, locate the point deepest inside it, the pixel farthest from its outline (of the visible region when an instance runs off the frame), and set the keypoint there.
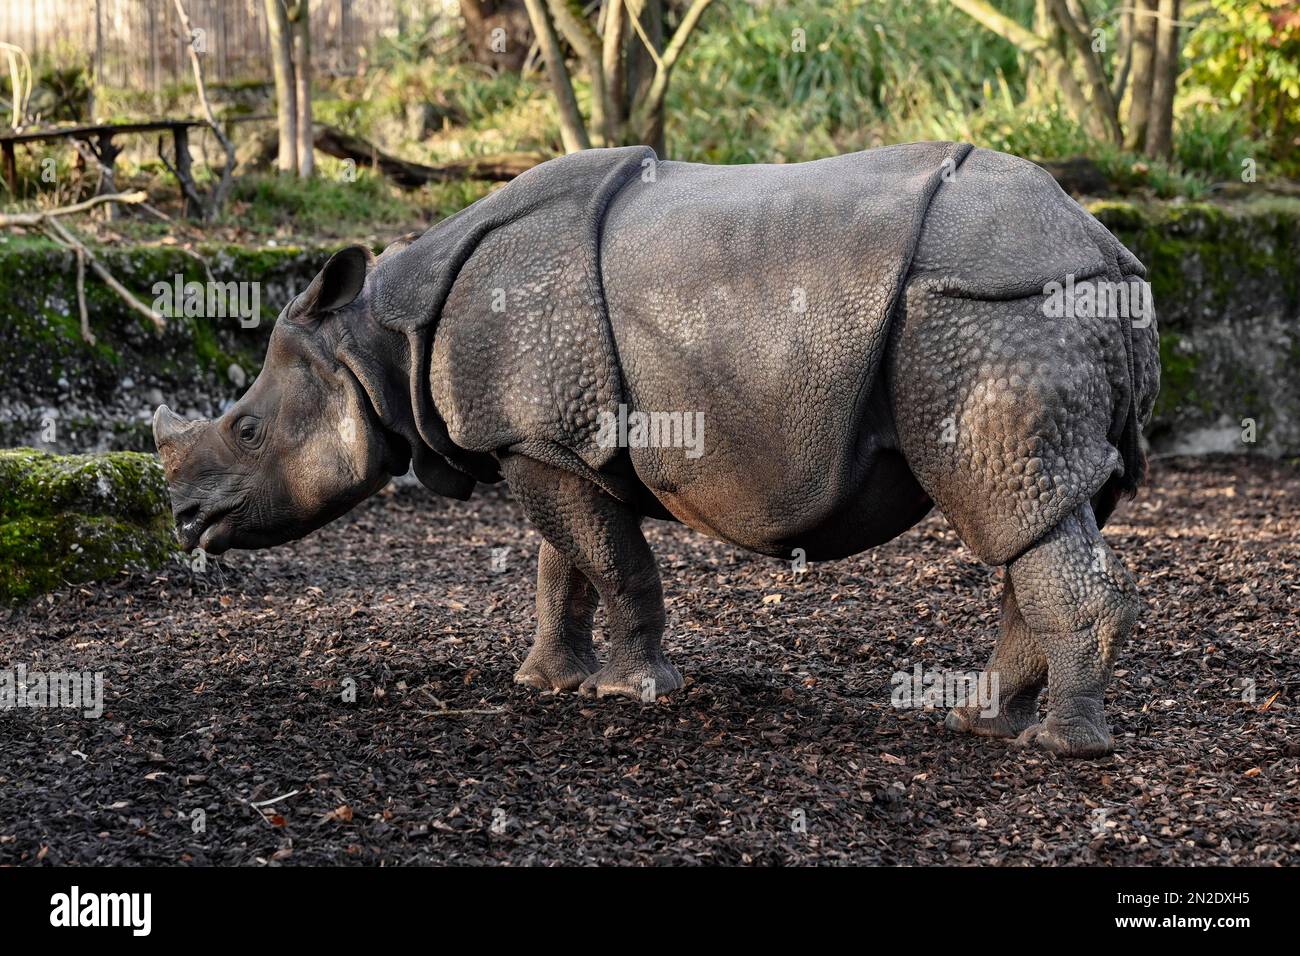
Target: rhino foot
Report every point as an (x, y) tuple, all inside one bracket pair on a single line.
[(556, 668), (644, 681), (1073, 736), (1009, 723)]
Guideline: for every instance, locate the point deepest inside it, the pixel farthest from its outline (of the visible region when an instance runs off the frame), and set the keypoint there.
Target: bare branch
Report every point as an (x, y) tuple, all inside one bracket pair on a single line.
[(654, 98), (1005, 27), (683, 33), (222, 189), (38, 218), (584, 40), (1049, 57), (1074, 24), (647, 42), (57, 232), (86, 334)]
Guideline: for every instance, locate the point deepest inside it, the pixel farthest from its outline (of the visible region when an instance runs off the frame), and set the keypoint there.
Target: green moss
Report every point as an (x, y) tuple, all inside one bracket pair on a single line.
[(78, 518), (1178, 366), (1225, 260), (129, 484), (43, 330), (1120, 215)]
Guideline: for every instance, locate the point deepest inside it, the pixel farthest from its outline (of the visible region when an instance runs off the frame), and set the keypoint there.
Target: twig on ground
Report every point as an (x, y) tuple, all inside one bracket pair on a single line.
[(266, 803)]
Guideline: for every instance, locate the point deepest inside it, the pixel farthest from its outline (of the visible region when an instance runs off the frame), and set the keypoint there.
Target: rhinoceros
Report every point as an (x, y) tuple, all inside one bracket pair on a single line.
[(801, 360)]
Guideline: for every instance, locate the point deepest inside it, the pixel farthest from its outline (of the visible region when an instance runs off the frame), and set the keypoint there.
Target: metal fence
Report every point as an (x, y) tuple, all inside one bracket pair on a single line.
[(137, 44)]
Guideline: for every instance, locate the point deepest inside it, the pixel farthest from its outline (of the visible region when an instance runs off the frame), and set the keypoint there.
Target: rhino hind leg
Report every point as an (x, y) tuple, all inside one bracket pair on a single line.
[(1079, 604), (562, 655), (1010, 419), (1021, 673), (601, 538)]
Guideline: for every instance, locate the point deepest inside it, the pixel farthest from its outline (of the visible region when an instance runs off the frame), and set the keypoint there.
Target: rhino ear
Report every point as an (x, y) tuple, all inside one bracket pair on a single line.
[(338, 284)]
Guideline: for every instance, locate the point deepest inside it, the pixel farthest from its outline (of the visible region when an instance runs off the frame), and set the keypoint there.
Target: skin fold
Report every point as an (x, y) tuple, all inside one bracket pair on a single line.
[(858, 340)]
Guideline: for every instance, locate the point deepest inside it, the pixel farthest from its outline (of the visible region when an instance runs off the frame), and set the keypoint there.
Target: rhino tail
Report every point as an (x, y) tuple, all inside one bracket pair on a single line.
[(1142, 362), (1143, 365)]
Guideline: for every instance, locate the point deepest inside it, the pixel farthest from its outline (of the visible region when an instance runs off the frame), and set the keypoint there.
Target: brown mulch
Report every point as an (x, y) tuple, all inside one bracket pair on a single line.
[(225, 689)]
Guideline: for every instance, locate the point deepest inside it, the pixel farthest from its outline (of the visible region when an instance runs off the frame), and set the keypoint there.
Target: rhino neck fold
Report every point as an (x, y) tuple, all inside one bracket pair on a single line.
[(537, 239), (387, 365)]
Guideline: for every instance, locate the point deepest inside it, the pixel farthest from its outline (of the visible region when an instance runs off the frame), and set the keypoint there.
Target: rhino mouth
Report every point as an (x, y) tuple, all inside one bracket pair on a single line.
[(210, 530)]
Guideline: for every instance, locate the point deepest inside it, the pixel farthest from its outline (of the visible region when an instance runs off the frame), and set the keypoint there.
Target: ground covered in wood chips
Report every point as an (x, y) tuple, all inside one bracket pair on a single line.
[(225, 692)]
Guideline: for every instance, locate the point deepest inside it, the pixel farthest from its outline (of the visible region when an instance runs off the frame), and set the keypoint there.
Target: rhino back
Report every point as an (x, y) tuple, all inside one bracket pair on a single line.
[(1003, 228), (760, 296)]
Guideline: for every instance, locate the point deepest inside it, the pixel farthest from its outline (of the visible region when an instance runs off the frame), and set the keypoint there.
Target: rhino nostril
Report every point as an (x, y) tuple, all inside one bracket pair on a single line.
[(187, 514)]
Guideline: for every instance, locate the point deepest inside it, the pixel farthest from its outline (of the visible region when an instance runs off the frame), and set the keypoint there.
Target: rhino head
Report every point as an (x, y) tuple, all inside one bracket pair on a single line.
[(301, 447)]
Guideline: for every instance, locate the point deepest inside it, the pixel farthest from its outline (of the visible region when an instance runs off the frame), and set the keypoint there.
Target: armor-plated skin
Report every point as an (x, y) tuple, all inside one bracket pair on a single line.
[(860, 338)]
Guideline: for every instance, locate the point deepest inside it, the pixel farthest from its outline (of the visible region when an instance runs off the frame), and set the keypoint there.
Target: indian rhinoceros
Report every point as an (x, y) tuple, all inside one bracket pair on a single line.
[(784, 357)]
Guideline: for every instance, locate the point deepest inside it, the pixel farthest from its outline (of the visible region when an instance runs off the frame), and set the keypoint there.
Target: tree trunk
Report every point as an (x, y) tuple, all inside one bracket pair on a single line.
[(1073, 21), (1038, 79), (221, 190), (1048, 49), (641, 69), (578, 31), (286, 103), (614, 30), (1123, 49), (1142, 75), (573, 133), (302, 82), (1160, 131)]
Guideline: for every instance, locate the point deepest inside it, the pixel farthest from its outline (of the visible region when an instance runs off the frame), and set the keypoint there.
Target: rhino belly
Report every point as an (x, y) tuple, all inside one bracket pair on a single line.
[(773, 517)]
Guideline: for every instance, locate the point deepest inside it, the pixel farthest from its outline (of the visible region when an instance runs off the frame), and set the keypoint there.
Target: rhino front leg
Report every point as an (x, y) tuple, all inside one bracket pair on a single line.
[(602, 539), (1021, 671), (562, 656), (1079, 603)]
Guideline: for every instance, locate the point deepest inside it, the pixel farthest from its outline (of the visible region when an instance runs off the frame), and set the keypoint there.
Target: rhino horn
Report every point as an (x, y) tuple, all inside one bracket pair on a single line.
[(173, 435)]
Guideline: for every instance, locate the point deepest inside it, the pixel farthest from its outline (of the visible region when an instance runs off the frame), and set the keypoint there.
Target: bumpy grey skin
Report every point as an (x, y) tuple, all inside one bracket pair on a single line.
[(865, 337)]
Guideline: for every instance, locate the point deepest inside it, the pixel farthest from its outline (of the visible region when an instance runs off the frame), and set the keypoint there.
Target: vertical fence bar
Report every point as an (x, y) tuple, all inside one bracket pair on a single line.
[(135, 45)]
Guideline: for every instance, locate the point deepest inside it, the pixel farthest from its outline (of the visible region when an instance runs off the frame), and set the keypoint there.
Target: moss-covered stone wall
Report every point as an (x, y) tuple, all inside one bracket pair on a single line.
[(64, 393), (1226, 278), (77, 518), (1226, 281)]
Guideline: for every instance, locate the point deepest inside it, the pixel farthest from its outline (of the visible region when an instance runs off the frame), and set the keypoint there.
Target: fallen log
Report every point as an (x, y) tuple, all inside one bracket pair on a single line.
[(496, 168)]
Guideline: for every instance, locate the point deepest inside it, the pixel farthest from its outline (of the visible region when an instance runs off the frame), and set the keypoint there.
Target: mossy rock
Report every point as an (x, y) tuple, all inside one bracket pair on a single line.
[(1226, 280), (69, 519)]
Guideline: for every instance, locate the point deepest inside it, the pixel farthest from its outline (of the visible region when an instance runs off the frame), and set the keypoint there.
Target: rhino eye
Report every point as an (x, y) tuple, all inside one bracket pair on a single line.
[(247, 430)]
